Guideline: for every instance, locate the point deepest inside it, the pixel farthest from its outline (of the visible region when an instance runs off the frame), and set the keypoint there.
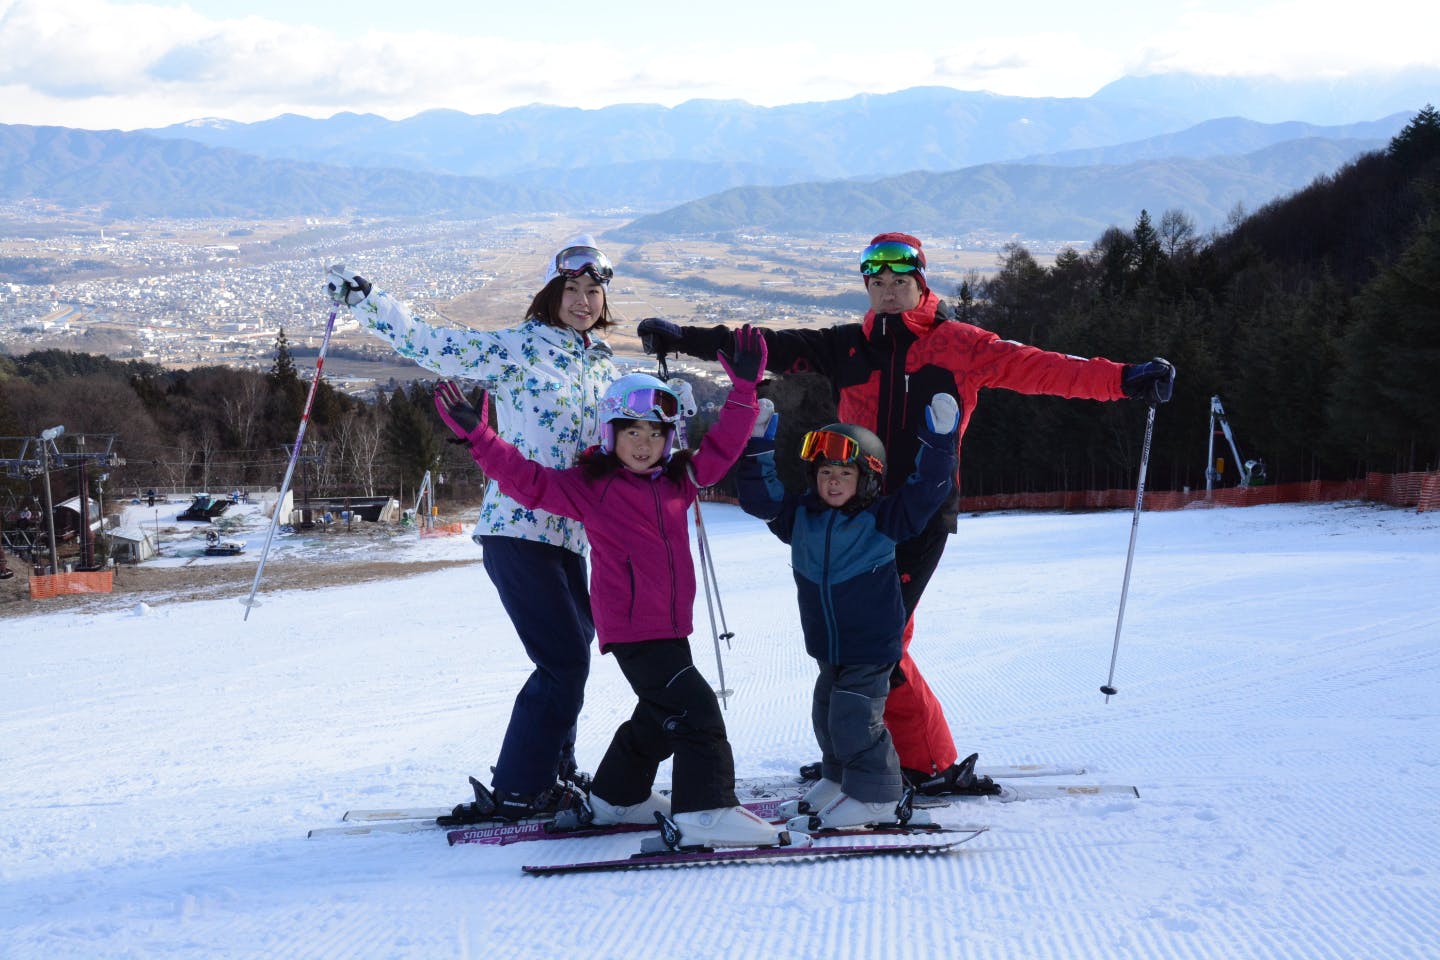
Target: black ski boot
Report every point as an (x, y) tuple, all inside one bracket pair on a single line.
[(811, 771), (506, 807), (956, 780), (480, 810)]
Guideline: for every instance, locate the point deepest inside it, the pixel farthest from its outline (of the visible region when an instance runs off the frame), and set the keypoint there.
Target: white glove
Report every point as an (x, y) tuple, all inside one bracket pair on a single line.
[(688, 408), (344, 286), (943, 414), (762, 420)]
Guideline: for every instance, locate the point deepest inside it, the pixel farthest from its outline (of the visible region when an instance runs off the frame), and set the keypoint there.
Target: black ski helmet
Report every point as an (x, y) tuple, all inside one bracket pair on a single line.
[(865, 452)]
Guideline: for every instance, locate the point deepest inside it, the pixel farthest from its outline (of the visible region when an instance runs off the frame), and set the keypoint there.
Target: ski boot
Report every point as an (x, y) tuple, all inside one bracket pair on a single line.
[(605, 813), (845, 812), (720, 827), (820, 793), (956, 780), (506, 806)]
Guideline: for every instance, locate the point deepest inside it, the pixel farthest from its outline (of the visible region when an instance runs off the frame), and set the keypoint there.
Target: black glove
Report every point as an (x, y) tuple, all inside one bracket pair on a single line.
[(746, 356), (1152, 381), (346, 287), (659, 336), (456, 411)]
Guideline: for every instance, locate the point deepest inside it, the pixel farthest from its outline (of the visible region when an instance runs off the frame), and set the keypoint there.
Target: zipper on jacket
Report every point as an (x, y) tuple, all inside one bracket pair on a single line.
[(669, 553), (831, 628)]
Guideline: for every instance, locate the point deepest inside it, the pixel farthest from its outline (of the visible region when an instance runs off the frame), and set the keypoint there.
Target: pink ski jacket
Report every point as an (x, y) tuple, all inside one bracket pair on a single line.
[(642, 577)]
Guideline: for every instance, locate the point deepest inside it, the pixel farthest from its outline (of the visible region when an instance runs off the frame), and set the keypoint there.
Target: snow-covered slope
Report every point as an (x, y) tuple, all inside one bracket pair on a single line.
[(160, 765)]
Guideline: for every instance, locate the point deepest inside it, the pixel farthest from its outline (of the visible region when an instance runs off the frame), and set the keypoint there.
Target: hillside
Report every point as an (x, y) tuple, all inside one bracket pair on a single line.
[(135, 175), (1012, 199)]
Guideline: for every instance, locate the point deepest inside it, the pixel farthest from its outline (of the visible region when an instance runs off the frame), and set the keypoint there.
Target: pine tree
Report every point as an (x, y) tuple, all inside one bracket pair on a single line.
[(410, 440), (1419, 141)]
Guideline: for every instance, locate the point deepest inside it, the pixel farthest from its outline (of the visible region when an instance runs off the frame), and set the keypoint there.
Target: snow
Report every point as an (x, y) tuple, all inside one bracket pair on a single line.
[(162, 760)]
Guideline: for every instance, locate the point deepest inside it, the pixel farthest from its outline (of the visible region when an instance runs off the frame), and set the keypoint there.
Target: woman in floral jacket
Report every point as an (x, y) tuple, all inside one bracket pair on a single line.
[(546, 377)]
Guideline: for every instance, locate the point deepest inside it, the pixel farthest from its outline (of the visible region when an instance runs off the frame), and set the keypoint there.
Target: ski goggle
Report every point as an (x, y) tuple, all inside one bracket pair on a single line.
[(574, 261), (647, 403), (835, 448), (893, 256)]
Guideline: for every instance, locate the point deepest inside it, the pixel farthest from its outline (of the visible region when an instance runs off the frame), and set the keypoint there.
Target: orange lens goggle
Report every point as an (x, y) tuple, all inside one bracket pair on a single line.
[(836, 448)]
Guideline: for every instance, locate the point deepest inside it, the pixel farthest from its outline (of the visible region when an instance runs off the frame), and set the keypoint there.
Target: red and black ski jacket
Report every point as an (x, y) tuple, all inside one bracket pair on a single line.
[(884, 371)]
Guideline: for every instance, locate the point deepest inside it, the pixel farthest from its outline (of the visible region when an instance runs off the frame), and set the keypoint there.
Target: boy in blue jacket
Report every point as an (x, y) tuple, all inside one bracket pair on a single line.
[(842, 537)]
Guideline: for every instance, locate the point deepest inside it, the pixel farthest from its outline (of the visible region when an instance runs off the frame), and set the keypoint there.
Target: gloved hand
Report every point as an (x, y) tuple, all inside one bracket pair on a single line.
[(659, 336), (746, 357), (1152, 381), (943, 414), (462, 419), (766, 421), (346, 287)]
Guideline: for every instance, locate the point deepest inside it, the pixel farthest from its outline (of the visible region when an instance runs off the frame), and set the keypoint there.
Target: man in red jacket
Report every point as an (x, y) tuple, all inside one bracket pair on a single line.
[(883, 372)]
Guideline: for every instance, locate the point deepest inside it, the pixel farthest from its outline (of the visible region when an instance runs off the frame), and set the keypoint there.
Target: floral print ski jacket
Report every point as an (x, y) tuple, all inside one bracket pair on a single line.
[(545, 384)]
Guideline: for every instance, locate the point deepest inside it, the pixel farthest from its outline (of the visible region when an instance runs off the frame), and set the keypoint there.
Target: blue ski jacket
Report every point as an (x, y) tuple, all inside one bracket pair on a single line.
[(851, 609)]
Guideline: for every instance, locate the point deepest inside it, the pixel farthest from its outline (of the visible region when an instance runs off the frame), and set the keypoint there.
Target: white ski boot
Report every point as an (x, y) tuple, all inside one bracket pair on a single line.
[(608, 814), (821, 792), (845, 812), (729, 827)]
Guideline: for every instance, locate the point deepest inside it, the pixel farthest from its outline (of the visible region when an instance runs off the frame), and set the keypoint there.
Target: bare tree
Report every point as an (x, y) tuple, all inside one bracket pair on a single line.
[(242, 409), (359, 437), (1177, 233)]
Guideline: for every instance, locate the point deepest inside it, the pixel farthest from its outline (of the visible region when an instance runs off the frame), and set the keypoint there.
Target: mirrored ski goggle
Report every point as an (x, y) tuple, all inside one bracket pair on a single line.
[(645, 404), (573, 261), (835, 448), (891, 255)]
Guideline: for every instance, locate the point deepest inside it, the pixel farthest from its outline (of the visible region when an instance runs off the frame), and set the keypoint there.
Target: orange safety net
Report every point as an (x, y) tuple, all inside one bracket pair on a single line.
[(443, 530), (61, 584)]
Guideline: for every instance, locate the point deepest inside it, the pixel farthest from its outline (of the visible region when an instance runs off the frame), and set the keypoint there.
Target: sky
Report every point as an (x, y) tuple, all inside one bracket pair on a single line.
[(127, 64)]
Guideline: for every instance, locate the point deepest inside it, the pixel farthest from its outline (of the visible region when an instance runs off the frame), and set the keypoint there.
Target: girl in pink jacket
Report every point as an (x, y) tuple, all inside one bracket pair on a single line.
[(632, 493)]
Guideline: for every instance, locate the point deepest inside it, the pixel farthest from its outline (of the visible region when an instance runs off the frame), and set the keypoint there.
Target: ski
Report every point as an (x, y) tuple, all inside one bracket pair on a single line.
[(727, 855), (401, 813), (754, 787), (760, 796), (1010, 793), (504, 834), (363, 823), (501, 834)]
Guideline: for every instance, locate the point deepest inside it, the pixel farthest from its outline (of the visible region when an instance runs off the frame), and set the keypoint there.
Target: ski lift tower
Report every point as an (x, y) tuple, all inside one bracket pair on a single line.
[(41, 455), (1215, 468)]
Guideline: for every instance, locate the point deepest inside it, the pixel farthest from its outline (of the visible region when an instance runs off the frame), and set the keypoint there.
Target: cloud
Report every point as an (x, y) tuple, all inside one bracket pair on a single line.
[(97, 63), (1313, 38)]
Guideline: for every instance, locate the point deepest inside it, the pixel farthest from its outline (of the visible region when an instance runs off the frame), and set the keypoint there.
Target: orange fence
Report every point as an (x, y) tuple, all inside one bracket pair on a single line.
[(60, 584), (1419, 490), (443, 530)]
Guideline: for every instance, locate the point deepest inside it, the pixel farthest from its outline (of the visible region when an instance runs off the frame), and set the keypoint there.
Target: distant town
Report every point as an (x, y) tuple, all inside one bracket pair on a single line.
[(192, 293)]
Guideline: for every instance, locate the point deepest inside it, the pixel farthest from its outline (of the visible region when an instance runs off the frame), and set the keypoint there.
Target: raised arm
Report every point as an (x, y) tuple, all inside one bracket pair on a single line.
[(530, 484), (473, 355)]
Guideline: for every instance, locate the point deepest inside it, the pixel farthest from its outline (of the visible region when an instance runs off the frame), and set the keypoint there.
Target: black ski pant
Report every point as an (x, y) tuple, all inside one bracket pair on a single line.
[(544, 590), (677, 715)]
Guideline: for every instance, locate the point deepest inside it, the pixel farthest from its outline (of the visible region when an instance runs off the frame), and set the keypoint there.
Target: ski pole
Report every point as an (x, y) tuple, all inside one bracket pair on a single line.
[(1109, 688), (250, 601), (707, 573)]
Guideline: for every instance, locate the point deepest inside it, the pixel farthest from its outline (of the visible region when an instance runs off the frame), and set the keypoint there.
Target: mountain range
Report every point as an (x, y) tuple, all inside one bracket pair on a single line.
[(1047, 167)]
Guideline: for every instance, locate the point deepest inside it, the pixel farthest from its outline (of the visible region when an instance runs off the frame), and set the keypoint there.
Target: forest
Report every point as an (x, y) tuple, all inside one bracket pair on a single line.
[(1316, 319)]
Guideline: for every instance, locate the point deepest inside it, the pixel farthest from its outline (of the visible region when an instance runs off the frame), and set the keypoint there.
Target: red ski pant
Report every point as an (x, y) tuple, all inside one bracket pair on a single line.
[(913, 714), (916, 720)]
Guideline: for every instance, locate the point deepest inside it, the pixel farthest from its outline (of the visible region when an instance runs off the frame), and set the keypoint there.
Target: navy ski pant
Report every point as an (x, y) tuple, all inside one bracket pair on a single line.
[(677, 714), (545, 593), (848, 713)]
